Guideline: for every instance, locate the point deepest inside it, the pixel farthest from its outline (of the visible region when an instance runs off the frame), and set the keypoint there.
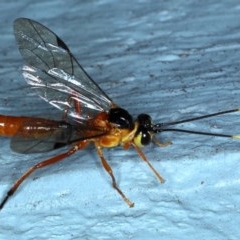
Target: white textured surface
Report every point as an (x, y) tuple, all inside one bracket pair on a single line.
[(170, 59)]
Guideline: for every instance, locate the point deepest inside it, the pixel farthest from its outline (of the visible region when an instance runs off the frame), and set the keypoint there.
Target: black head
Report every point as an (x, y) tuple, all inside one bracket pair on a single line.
[(143, 135)]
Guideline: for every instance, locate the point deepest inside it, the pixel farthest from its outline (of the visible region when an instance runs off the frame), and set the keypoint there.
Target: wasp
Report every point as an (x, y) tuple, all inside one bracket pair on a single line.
[(89, 115)]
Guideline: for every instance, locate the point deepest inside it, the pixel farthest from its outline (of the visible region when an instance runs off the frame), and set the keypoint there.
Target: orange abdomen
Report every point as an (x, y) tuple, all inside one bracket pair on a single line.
[(9, 125), (26, 126)]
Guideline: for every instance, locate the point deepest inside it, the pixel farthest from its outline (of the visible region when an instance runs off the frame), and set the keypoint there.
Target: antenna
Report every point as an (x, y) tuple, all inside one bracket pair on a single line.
[(161, 127)]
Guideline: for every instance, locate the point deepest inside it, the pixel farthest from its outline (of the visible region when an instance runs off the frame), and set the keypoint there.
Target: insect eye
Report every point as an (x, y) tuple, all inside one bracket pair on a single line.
[(144, 120), (142, 137), (121, 118)]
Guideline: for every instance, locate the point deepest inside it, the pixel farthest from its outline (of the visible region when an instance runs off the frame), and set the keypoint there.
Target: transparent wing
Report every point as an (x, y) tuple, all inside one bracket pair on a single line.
[(24, 145), (54, 73)]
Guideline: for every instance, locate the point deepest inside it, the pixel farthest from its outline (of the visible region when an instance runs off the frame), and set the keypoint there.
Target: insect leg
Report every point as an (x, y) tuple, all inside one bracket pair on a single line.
[(108, 168), (42, 164), (77, 107), (141, 154), (157, 142)]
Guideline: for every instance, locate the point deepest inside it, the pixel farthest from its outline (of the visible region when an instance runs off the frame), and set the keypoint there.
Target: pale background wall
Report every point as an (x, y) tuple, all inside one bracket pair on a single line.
[(170, 59)]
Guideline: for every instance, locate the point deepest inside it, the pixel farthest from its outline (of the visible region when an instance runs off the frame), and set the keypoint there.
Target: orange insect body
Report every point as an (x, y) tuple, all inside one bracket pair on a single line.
[(26, 126), (116, 136), (9, 125), (40, 127)]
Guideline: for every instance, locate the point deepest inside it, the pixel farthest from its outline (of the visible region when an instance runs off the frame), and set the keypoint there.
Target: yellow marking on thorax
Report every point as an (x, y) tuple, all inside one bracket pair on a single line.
[(117, 137)]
